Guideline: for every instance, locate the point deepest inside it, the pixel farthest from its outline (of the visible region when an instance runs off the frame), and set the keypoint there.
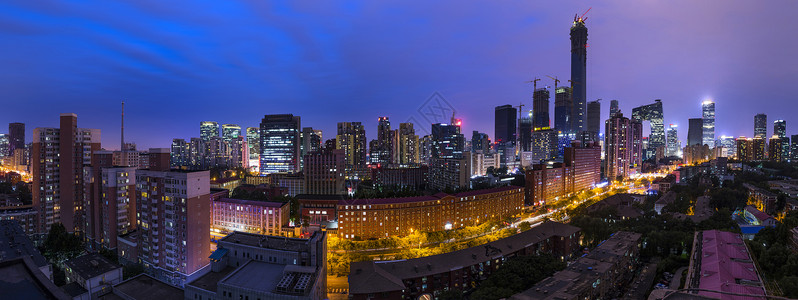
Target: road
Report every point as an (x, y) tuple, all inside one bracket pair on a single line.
[(337, 287)]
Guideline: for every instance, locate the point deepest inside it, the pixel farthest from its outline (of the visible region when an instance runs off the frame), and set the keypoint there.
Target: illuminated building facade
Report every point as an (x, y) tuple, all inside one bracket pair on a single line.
[(352, 139), (324, 172), (406, 148), (563, 103), (653, 113), (57, 161), (761, 126), (208, 129), (622, 137), (579, 75), (279, 144), (581, 169), (540, 108), (379, 218), (260, 217), (708, 119), (674, 144)]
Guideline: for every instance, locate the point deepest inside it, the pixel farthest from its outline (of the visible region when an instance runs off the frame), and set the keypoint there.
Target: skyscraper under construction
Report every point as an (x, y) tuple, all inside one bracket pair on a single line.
[(579, 73)]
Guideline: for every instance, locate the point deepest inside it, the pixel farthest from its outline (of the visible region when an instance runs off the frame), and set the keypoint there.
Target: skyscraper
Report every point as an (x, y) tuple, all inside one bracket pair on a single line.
[(324, 172), (311, 140), (729, 143), (4, 147), (279, 144), (708, 116), (525, 133), (614, 108), (407, 149), (761, 126), (579, 74), (563, 103), (352, 139), (780, 128), (653, 113), (480, 142), (58, 183), (618, 142), (673, 141), (794, 148), (208, 129), (540, 108), (16, 137), (253, 142), (594, 118), (505, 124), (447, 142), (180, 153), (230, 132), (695, 132)]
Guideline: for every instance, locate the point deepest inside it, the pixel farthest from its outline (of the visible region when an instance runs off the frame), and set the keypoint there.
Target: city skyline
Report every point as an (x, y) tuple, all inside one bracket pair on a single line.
[(103, 61)]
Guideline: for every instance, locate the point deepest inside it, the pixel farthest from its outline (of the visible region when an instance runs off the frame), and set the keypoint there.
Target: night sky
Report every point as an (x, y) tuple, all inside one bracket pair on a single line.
[(178, 64)]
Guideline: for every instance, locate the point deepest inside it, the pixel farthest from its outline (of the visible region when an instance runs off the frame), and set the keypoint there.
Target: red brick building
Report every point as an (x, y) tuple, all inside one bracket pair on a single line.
[(580, 170)]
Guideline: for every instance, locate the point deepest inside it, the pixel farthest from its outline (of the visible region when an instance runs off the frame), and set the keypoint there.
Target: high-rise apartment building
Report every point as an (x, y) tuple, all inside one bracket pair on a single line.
[(695, 132), (180, 154), (540, 108), (208, 129), (173, 220), (352, 139), (594, 118), (761, 126), (16, 137), (544, 145), (653, 113), (110, 201), (673, 141), (4, 147), (324, 172), (794, 148), (563, 103), (708, 119), (279, 144), (311, 140), (579, 74), (581, 168), (778, 149), (406, 149), (619, 142), (505, 124), (57, 160)]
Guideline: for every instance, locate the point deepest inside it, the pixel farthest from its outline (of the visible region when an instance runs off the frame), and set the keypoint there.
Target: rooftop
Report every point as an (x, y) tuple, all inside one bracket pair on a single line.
[(267, 241), (15, 243), (145, 287), (725, 265), (374, 277), (210, 281), (256, 275), (91, 265), (22, 280), (437, 196), (252, 202)]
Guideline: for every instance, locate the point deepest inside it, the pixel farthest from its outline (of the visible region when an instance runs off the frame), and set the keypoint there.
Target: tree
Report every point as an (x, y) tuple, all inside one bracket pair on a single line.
[(516, 275), (239, 193), (453, 294)]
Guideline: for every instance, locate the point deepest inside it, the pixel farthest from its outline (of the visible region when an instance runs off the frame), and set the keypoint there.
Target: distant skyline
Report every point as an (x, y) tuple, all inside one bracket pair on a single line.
[(177, 64)]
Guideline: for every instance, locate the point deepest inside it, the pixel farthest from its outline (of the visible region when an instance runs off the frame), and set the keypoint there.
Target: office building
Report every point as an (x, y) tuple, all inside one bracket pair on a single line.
[(260, 217), (450, 173), (4, 146), (251, 266), (579, 75), (208, 129), (110, 206), (563, 104), (653, 114), (794, 148), (708, 119), (459, 270), (253, 142), (173, 222), (311, 140), (525, 134), (324, 172), (279, 144), (231, 132), (480, 142), (695, 132), (780, 128), (406, 148), (729, 144), (674, 144), (621, 135), (761, 126), (540, 108), (447, 142), (720, 262), (379, 153), (352, 139), (614, 109), (379, 218), (505, 124), (57, 163), (16, 137), (594, 118)]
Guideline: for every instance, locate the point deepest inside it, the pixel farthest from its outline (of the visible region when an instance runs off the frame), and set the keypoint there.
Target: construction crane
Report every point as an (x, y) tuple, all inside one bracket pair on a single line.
[(556, 81), (534, 83)]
